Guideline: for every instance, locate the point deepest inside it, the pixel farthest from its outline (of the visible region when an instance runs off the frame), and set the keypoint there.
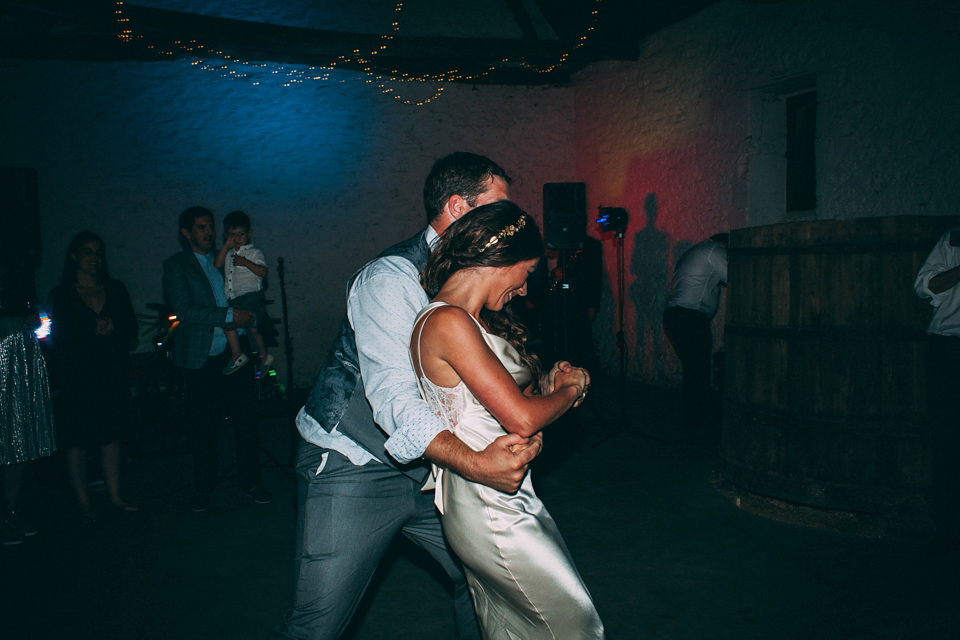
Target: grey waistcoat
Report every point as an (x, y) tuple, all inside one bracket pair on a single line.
[(338, 398)]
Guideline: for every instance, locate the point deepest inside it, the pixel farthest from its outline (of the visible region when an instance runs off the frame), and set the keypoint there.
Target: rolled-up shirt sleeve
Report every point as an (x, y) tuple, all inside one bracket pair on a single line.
[(382, 307), (946, 304), (937, 262)]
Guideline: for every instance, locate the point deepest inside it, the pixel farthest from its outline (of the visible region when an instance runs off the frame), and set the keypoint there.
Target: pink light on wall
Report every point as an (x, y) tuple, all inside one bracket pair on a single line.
[(673, 197)]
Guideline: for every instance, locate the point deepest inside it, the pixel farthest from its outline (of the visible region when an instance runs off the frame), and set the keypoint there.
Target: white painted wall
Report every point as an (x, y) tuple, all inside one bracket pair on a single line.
[(330, 173), (681, 123)]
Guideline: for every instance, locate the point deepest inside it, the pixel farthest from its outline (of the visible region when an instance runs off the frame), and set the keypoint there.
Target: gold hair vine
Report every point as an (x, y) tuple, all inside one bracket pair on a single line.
[(507, 231)]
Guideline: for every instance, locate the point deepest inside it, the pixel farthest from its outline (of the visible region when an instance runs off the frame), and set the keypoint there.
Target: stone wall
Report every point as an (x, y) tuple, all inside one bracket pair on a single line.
[(331, 172), (681, 136)]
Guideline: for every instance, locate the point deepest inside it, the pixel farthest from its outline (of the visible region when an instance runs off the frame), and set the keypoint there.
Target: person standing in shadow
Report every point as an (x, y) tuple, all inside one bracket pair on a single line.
[(698, 280), (93, 329), (193, 287), (939, 281)]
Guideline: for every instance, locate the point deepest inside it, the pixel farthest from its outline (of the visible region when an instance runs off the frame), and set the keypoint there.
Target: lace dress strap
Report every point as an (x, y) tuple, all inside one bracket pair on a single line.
[(445, 401)]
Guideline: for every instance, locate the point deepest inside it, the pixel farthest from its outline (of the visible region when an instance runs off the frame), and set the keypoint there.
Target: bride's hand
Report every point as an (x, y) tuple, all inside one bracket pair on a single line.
[(535, 440), (575, 378), (579, 378), (548, 380)]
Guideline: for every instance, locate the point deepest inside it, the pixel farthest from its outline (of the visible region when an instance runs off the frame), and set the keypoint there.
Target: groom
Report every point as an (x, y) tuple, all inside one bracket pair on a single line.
[(368, 435)]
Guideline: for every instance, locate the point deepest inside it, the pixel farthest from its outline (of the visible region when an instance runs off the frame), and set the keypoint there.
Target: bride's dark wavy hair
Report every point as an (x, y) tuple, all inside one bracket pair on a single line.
[(489, 236)]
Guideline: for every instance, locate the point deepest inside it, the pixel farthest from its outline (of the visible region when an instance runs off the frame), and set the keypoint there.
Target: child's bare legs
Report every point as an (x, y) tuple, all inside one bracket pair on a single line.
[(261, 347), (234, 341), (237, 357), (265, 359)]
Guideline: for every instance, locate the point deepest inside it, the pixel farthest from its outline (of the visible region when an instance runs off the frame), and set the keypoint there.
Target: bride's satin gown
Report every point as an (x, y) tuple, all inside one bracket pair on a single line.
[(522, 579)]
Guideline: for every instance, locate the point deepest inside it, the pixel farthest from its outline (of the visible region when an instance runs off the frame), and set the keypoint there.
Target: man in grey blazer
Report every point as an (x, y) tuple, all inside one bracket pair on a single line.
[(193, 287), (368, 436)]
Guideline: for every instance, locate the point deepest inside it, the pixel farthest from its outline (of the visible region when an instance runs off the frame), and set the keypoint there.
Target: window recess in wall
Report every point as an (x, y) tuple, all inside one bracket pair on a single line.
[(782, 170), (801, 176)]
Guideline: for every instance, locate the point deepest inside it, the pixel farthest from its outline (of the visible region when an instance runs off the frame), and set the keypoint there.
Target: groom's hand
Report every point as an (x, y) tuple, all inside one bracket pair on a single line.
[(498, 466), (503, 464)]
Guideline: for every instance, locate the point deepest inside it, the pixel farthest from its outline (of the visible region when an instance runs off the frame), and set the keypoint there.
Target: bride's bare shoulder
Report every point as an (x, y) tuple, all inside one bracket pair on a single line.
[(447, 313), (449, 323)]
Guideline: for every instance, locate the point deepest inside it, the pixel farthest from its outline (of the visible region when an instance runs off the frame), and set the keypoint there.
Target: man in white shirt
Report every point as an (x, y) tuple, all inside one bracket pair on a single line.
[(698, 279), (368, 434), (939, 280)]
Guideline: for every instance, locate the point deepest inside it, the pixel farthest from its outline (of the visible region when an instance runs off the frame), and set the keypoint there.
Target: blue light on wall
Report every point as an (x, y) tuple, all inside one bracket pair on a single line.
[(202, 127)]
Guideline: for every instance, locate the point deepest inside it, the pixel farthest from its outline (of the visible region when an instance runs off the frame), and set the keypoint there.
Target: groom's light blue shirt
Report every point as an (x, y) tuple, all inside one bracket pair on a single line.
[(382, 306)]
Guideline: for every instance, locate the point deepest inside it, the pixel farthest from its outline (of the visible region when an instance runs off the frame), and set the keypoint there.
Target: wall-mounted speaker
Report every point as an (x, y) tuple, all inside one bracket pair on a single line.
[(565, 214)]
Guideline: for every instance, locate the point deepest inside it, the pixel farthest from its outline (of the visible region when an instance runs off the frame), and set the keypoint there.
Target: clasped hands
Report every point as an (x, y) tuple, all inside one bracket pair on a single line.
[(103, 327), (563, 374), (511, 454)]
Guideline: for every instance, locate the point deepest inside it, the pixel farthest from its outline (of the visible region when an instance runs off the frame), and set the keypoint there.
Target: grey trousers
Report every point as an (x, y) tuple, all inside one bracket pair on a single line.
[(348, 516)]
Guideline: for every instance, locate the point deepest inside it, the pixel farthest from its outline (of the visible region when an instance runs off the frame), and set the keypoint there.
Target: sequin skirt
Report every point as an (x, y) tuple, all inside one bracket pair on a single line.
[(26, 414)]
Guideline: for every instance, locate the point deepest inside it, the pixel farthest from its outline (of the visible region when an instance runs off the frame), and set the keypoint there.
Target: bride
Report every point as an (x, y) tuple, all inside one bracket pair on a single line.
[(476, 373)]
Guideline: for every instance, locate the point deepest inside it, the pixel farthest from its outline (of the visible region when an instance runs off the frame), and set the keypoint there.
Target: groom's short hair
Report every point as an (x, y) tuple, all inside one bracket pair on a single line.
[(461, 173)]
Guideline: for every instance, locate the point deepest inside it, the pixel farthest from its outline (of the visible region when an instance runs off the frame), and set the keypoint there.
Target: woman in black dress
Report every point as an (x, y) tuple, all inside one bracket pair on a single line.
[(93, 327)]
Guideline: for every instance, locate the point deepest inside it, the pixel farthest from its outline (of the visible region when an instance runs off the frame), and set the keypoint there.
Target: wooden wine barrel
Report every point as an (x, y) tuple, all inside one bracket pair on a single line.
[(824, 393)]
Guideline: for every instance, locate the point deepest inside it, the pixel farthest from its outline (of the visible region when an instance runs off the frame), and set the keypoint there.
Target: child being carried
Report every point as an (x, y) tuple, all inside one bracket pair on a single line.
[(244, 269)]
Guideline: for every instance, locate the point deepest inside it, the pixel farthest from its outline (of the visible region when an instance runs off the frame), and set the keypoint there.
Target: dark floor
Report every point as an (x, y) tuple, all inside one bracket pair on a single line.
[(663, 552)]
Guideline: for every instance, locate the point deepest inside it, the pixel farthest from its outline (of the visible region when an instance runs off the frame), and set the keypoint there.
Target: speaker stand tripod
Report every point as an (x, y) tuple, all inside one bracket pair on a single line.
[(622, 425)]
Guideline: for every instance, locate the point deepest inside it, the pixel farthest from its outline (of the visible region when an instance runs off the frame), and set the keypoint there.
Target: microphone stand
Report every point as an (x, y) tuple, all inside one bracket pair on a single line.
[(287, 348), (288, 353), (623, 425)]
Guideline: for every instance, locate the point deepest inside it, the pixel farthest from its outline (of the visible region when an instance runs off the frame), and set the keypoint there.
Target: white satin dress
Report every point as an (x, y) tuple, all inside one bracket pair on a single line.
[(522, 579)]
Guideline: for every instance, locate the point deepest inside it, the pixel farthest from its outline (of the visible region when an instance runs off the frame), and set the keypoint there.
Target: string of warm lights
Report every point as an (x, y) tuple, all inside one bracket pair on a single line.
[(388, 85)]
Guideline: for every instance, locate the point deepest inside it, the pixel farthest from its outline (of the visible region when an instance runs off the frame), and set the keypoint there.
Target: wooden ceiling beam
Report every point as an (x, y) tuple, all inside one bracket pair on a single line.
[(523, 19), (94, 35)]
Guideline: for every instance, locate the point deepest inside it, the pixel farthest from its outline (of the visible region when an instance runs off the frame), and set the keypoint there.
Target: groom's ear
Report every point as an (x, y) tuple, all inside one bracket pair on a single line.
[(457, 206)]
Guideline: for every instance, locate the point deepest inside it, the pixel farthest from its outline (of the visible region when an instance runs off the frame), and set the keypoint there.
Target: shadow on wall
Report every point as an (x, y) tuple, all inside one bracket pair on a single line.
[(680, 198), (652, 264), (648, 291)]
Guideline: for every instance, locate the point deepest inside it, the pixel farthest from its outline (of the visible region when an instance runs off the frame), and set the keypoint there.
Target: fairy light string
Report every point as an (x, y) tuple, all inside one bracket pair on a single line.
[(212, 60)]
